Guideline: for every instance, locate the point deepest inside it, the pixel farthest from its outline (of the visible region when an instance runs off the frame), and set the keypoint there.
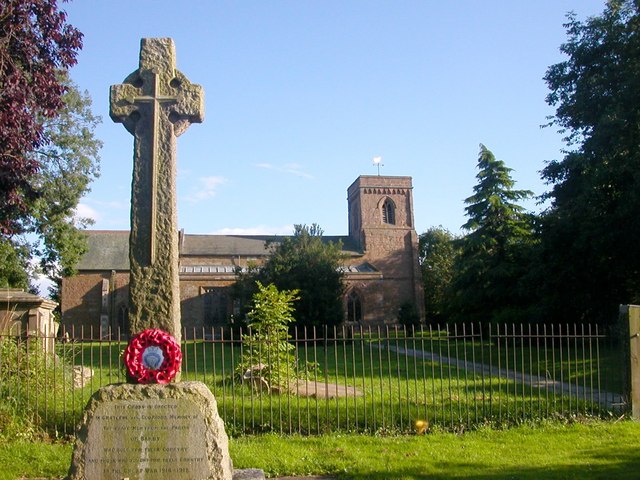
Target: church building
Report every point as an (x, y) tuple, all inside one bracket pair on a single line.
[(381, 266)]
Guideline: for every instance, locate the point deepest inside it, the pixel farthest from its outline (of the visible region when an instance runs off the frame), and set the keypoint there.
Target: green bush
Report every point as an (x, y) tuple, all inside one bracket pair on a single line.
[(31, 380), (408, 315), (267, 352)]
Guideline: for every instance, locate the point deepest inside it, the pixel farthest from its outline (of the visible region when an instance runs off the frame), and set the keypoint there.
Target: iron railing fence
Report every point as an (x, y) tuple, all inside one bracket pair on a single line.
[(356, 379)]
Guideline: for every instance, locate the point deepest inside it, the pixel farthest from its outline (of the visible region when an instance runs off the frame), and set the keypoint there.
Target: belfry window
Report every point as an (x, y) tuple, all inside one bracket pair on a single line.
[(388, 212)]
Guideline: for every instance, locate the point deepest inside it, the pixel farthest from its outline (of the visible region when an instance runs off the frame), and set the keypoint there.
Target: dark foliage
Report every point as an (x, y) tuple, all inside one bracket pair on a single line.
[(491, 264), (589, 254), (437, 252), (35, 43), (308, 264)]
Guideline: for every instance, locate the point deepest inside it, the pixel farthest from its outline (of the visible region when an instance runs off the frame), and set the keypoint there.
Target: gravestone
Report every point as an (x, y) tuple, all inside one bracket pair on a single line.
[(154, 432)]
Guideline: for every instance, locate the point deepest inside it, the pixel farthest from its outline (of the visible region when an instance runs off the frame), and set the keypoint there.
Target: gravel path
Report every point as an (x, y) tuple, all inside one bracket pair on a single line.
[(610, 400)]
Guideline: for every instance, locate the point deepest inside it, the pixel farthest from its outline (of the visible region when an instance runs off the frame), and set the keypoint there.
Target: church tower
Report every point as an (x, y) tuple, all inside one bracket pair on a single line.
[(381, 225)]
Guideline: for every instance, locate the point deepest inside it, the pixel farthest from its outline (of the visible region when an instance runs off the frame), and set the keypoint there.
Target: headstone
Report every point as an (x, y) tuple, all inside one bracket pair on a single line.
[(156, 103), (152, 432)]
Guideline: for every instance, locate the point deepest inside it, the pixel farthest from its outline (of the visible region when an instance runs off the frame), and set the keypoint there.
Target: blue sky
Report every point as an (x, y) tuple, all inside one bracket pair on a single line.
[(301, 95)]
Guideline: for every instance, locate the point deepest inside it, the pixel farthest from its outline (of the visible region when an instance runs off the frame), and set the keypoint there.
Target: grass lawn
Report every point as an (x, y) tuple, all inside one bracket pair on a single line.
[(396, 389), (578, 355), (595, 451)]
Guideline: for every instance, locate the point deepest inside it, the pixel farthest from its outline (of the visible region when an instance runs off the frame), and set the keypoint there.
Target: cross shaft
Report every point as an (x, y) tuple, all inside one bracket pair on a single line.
[(155, 103)]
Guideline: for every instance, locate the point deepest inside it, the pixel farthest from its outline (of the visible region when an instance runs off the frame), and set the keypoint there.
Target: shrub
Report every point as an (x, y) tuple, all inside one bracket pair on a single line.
[(408, 315), (30, 382), (267, 352)]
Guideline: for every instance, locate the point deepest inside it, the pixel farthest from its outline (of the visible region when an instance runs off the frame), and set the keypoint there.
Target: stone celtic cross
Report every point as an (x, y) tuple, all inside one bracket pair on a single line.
[(156, 103)]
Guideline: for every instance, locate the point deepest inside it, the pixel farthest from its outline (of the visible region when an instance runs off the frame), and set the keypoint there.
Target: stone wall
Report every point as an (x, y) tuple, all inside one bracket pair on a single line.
[(193, 292), (392, 248)]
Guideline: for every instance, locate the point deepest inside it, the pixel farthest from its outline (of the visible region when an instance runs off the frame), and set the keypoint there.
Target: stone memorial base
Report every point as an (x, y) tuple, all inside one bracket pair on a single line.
[(153, 432)]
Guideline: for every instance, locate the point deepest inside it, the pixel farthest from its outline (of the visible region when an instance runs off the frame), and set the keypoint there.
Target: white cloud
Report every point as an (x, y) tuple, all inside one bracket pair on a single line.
[(296, 169), (207, 187), (288, 168), (85, 211), (266, 166), (258, 230)]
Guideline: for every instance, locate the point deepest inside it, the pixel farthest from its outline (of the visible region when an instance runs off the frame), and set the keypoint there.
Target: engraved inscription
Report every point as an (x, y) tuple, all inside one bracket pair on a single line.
[(151, 439)]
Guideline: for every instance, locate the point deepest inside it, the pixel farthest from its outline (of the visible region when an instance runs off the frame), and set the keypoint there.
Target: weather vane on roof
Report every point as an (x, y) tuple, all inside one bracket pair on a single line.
[(377, 161)]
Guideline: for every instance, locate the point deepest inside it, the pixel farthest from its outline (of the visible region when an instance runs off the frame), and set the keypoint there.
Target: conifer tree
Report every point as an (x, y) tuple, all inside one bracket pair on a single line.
[(489, 266)]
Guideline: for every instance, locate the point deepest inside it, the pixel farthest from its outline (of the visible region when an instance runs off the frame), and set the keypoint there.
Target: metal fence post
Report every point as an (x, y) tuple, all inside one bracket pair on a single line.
[(633, 312)]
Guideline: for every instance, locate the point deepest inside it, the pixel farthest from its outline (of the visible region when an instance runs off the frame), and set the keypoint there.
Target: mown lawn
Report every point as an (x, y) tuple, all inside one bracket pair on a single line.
[(394, 389), (596, 450)]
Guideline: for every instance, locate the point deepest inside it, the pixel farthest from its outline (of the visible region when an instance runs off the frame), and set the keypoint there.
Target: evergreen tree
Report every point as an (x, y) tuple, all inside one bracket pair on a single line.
[(69, 163), (14, 265), (267, 348), (591, 261), (490, 266)]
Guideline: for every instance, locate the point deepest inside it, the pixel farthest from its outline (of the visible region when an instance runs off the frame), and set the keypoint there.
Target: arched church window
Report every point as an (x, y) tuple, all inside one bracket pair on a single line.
[(216, 306), (123, 318), (388, 212), (354, 307)]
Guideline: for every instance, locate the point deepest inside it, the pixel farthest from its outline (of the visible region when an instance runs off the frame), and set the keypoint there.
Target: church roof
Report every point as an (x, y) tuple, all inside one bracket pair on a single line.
[(109, 249), (225, 245), (245, 245)]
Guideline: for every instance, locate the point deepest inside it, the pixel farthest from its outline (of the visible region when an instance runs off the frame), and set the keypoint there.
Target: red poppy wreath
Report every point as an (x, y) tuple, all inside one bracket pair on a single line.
[(152, 356)]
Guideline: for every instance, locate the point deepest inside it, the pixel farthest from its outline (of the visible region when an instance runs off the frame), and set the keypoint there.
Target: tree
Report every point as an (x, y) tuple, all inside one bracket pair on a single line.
[(308, 264), (408, 315), (268, 353), (589, 232), (437, 252), (491, 262), (35, 43), (305, 262), (14, 265), (68, 163)]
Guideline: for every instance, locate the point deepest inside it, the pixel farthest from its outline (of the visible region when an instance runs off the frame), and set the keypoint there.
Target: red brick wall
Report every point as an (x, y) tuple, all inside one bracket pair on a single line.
[(81, 303)]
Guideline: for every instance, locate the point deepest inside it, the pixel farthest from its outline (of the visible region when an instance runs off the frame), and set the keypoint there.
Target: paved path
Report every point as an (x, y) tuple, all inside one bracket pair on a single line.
[(609, 400)]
